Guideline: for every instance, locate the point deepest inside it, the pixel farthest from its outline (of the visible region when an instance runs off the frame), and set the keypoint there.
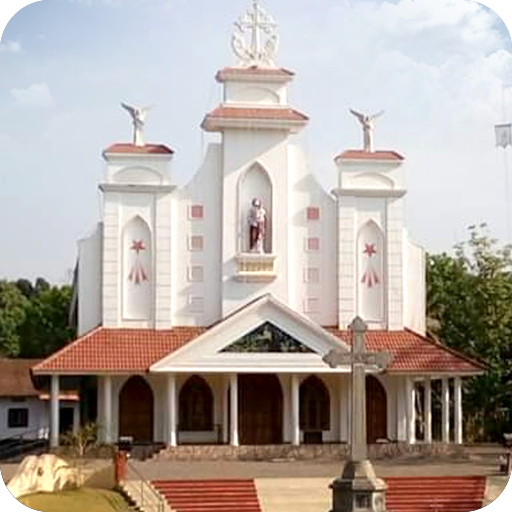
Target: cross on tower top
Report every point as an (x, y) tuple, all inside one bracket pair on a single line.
[(258, 23)]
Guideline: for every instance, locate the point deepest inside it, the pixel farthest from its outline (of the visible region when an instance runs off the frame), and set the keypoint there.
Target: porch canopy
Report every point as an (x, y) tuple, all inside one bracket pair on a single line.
[(265, 337)]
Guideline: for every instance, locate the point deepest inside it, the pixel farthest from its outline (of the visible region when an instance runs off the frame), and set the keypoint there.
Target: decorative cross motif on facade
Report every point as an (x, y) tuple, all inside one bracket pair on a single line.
[(359, 360), (370, 277), (137, 273), (258, 22)]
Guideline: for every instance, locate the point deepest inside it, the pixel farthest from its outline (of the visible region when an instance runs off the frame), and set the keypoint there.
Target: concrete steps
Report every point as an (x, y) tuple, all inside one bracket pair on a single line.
[(209, 495), (142, 497), (435, 494), (405, 494)]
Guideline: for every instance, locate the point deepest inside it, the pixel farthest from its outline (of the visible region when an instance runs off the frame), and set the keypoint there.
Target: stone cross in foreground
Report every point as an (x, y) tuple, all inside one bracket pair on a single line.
[(358, 488)]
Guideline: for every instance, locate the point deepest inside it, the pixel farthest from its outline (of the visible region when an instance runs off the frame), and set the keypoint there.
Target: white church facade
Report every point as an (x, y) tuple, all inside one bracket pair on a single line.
[(204, 312)]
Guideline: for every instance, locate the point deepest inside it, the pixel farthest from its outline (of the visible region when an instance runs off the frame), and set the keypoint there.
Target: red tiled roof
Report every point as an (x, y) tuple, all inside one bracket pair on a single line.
[(278, 114), (120, 350), (359, 154), (15, 380), (253, 70), (136, 350), (412, 352), (140, 150)]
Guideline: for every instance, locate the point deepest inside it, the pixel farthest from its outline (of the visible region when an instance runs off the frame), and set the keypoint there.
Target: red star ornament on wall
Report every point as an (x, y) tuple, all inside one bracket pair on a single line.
[(137, 273), (370, 277)]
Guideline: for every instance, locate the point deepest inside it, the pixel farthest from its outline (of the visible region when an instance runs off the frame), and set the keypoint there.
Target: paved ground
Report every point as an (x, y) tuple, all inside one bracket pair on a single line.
[(482, 460), (305, 469)]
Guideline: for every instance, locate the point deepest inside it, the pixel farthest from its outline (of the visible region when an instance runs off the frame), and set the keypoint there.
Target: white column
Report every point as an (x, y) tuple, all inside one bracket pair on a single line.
[(54, 411), (401, 410), (172, 437), (445, 400), (427, 406), (457, 400), (76, 417), (344, 409), (411, 411), (295, 410), (233, 390), (225, 411), (107, 408)]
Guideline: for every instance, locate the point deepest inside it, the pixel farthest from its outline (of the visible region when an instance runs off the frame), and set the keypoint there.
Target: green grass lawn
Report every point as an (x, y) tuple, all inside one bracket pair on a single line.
[(80, 500)]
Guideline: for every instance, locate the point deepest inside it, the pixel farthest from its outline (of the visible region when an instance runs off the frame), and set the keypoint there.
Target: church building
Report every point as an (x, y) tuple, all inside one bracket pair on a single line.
[(205, 312)]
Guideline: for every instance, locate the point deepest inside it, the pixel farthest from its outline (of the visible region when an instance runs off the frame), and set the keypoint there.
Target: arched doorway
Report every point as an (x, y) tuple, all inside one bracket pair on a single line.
[(136, 410), (260, 409), (315, 409), (196, 406), (376, 410)]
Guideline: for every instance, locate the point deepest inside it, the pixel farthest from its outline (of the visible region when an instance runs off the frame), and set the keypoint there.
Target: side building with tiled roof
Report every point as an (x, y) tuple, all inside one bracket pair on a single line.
[(25, 405), (205, 312)]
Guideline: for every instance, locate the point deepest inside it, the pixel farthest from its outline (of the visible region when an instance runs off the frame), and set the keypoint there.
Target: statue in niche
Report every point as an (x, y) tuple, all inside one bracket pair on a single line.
[(257, 223)]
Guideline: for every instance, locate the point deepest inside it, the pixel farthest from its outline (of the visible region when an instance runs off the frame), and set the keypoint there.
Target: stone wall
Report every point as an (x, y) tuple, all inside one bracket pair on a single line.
[(303, 452)]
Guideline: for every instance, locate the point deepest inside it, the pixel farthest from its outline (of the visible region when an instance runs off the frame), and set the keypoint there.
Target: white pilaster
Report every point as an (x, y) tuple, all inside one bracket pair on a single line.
[(346, 260), (445, 400), (233, 390), (428, 410), (457, 400), (295, 410), (172, 437), (107, 409), (411, 411), (54, 411), (163, 245), (225, 410), (395, 263), (111, 265)]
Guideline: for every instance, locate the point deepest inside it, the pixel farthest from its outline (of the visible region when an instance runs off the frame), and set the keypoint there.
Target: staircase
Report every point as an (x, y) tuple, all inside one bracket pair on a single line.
[(435, 494), (209, 495)]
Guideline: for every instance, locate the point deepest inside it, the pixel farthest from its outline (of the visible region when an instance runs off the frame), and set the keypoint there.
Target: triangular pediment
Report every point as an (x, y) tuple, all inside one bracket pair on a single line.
[(267, 338), (264, 335)]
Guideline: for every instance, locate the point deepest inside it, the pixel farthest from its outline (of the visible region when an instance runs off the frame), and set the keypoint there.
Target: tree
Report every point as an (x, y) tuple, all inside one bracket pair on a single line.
[(45, 327), (12, 314), (469, 307)]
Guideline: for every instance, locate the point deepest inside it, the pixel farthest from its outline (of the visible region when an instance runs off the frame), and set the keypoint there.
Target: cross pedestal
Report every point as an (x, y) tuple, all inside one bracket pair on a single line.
[(358, 489)]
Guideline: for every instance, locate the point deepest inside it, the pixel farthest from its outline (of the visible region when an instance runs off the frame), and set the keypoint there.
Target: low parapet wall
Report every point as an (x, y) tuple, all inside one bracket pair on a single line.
[(304, 452)]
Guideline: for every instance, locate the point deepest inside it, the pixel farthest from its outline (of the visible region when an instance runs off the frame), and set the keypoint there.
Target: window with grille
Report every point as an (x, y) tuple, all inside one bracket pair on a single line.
[(17, 418)]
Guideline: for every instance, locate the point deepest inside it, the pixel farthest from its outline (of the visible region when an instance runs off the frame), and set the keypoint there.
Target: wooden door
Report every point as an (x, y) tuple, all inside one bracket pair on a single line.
[(136, 410), (376, 411), (260, 409)]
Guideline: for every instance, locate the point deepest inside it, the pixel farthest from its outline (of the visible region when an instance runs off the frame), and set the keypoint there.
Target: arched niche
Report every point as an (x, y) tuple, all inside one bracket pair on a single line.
[(137, 269), (371, 277), (255, 184)]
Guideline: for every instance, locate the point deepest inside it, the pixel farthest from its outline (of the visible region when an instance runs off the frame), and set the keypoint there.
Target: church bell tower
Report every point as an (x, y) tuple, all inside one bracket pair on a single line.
[(371, 235), (255, 121)]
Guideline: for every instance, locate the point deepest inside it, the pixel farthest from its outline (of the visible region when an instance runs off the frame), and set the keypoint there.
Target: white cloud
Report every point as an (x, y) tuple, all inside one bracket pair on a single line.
[(35, 96), (10, 47)]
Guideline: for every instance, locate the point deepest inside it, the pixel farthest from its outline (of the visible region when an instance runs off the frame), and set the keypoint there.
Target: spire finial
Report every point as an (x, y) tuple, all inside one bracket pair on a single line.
[(258, 23)]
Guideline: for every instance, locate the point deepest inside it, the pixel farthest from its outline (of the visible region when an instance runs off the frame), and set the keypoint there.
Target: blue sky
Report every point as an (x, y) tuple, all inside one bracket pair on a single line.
[(436, 67)]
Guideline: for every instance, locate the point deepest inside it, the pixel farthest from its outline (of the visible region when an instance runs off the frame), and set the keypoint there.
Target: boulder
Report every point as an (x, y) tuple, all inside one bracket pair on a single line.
[(44, 473)]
